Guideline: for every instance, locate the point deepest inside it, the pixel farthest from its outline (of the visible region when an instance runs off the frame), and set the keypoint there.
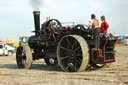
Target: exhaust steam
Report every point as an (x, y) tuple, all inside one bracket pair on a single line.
[(36, 4)]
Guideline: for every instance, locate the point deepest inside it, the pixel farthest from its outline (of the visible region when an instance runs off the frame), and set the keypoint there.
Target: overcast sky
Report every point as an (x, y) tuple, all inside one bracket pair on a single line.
[(16, 18)]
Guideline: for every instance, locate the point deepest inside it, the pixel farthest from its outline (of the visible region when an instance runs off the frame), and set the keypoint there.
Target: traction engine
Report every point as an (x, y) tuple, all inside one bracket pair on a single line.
[(72, 49)]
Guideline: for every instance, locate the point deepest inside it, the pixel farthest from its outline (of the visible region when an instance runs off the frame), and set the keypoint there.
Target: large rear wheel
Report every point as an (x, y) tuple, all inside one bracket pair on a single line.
[(72, 53), (24, 57)]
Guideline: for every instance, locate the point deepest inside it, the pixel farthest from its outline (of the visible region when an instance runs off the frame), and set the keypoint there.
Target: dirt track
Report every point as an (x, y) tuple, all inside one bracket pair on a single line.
[(41, 74)]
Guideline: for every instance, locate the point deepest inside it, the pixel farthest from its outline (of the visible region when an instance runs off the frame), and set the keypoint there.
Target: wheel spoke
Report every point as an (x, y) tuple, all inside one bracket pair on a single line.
[(77, 61), (67, 67), (68, 42), (62, 58), (68, 47), (77, 48), (79, 54), (75, 43), (75, 66), (80, 60), (64, 48), (57, 26), (54, 37)]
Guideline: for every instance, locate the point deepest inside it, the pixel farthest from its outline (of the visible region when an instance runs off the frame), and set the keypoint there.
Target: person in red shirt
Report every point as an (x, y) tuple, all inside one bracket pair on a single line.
[(104, 25)]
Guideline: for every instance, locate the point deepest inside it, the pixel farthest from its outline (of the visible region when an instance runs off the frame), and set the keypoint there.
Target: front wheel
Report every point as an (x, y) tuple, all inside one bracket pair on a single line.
[(24, 57)]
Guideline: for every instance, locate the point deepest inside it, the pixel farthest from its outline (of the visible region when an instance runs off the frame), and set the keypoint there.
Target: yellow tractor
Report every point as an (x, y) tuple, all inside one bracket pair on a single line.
[(23, 40)]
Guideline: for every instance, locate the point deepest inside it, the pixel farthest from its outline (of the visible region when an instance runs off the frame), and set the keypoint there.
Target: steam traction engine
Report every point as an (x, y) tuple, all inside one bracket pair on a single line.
[(73, 49)]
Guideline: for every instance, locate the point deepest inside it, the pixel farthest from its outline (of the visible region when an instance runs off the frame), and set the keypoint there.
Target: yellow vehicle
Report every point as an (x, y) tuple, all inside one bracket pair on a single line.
[(22, 40)]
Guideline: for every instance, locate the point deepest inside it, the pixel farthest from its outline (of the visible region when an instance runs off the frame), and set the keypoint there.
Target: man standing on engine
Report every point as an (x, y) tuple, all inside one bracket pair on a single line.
[(94, 23), (95, 30)]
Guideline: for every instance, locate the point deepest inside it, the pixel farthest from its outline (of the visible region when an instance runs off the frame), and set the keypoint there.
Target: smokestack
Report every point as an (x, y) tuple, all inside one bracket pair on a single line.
[(37, 22)]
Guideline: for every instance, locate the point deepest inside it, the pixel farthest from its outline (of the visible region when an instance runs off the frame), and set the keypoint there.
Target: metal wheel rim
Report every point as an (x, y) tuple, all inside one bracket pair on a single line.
[(77, 63), (22, 57)]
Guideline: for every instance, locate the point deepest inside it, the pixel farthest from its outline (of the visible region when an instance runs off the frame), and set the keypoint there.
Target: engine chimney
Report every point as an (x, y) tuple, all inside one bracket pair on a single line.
[(37, 22)]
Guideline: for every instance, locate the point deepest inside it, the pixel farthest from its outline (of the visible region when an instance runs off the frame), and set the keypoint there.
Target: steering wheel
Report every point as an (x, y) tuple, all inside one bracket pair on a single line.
[(53, 28)]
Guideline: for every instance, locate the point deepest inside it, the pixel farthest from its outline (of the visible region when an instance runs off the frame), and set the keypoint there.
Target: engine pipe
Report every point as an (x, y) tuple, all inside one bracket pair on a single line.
[(37, 22)]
